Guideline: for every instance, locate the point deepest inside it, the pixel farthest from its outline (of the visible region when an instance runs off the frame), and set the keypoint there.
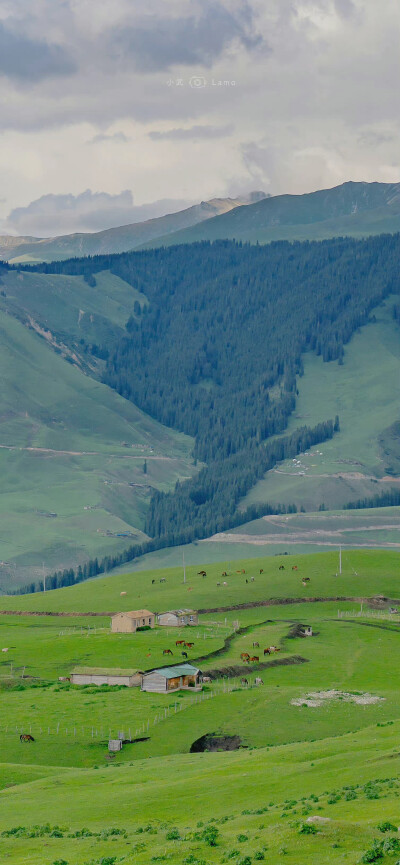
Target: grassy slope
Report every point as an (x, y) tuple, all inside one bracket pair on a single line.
[(68, 309), (364, 392), (77, 414), (262, 794)]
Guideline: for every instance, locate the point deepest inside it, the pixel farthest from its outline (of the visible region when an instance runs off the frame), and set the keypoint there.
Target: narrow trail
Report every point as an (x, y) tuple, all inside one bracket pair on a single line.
[(86, 453)]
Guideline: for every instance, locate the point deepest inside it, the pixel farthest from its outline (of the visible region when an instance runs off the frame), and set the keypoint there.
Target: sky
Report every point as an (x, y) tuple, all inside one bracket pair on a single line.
[(120, 110)]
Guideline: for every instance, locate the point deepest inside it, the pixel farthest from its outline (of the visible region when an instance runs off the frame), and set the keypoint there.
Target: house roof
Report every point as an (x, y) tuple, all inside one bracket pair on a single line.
[(134, 614), (178, 613), (174, 672), (103, 671)]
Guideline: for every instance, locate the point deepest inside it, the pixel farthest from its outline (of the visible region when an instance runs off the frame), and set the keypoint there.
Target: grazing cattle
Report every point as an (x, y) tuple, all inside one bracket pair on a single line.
[(254, 659), (189, 645), (206, 679), (167, 652), (252, 579), (294, 568), (258, 681), (180, 643), (163, 580), (247, 580), (244, 682), (239, 572), (152, 582), (243, 571), (26, 737), (224, 583), (256, 645), (281, 567), (218, 584), (122, 593), (4, 650), (261, 570), (224, 574), (306, 579), (202, 573), (184, 654)]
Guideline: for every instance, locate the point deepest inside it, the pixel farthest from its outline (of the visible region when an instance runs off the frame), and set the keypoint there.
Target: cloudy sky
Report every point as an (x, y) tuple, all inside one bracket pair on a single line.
[(108, 107)]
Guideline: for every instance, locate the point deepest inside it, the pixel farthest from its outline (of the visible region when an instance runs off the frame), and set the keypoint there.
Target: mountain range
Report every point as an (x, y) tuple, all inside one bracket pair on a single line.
[(353, 209), (114, 240)]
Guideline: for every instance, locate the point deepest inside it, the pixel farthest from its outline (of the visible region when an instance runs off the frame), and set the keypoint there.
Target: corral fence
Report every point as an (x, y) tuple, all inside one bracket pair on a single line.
[(382, 615), (75, 732)]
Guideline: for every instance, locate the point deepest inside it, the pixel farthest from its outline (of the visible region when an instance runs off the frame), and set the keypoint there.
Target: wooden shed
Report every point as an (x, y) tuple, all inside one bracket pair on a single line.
[(102, 676), (167, 679), (178, 618), (128, 623)]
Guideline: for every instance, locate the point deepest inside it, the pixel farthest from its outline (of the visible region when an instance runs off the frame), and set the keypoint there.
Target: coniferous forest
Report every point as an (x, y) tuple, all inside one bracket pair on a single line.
[(217, 350)]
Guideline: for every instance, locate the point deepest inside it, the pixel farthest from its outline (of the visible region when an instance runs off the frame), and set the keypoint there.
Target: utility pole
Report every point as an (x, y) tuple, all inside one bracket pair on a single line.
[(44, 579), (184, 568), (340, 559)]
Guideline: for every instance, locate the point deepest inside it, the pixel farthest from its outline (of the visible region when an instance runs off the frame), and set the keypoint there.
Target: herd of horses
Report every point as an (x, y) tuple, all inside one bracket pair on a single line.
[(179, 643)]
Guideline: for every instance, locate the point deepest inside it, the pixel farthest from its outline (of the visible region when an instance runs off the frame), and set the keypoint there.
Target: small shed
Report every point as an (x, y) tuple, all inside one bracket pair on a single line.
[(128, 623), (101, 676), (178, 618), (167, 679)]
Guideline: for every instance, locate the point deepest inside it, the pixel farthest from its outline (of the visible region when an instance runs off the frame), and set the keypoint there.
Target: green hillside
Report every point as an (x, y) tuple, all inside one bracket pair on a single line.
[(365, 392), (314, 775), (352, 209), (72, 447)]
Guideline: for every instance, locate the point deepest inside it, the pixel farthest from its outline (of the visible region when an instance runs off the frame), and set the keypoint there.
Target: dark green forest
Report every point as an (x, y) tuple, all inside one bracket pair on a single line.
[(217, 351)]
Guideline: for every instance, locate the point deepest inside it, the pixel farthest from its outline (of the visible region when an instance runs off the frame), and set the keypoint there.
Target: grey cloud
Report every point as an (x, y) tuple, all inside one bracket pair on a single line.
[(156, 43), (31, 60), (115, 136), (90, 211), (181, 134)]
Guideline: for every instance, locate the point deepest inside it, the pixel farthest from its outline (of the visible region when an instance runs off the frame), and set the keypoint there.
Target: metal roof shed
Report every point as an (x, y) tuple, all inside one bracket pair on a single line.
[(167, 679)]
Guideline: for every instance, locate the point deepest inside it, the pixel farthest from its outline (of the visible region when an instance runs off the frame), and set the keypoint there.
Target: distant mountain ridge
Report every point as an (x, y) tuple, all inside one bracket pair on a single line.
[(113, 240), (353, 209)]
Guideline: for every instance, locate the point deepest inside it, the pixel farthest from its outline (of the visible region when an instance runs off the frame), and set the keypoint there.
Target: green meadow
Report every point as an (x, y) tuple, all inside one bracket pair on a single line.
[(315, 774)]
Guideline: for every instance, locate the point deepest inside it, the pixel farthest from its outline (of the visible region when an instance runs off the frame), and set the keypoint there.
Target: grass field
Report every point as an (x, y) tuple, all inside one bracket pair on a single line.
[(366, 396), (335, 760), (76, 449)]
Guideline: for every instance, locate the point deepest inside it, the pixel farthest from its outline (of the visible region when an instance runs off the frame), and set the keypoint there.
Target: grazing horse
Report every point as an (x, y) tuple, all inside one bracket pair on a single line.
[(252, 579), (244, 655), (281, 567), (167, 652), (201, 573), (261, 570), (189, 645), (294, 568), (180, 643), (26, 737), (218, 584), (247, 580), (184, 654), (256, 645), (244, 682), (152, 582), (224, 574), (255, 658), (258, 681)]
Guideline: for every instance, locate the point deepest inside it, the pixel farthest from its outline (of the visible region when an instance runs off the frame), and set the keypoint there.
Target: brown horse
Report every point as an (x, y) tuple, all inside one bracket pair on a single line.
[(26, 737), (167, 652), (254, 659), (180, 643)]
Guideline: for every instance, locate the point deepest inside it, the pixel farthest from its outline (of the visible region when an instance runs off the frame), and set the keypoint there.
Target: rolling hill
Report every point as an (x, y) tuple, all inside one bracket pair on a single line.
[(114, 240), (349, 210)]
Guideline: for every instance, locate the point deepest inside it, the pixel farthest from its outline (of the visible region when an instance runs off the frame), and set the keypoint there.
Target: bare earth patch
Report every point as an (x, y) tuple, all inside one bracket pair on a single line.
[(318, 698)]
